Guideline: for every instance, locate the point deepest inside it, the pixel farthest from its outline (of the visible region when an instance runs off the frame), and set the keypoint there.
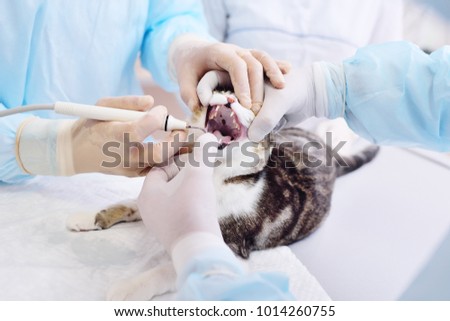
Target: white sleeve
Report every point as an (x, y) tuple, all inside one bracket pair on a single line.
[(217, 16)]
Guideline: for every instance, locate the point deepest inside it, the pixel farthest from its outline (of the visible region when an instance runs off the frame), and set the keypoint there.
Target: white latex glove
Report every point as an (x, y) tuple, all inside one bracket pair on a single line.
[(305, 95), (186, 204), (67, 147), (191, 58)]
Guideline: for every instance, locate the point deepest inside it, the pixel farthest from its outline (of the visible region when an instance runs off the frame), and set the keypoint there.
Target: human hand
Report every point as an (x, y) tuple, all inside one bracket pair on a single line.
[(68, 147), (192, 58), (185, 204), (303, 96), (118, 147)]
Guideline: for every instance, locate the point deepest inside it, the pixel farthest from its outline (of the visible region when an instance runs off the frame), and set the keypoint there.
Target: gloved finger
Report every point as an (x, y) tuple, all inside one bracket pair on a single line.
[(171, 170), (256, 79), (139, 103), (160, 153), (265, 121), (171, 146), (271, 68), (153, 120), (154, 181), (209, 82), (156, 175), (204, 153), (188, 81), (284, 66), (237, 68)]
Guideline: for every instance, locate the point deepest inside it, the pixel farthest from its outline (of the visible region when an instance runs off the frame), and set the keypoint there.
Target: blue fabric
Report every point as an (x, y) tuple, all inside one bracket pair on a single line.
[(9, 169), (81, 51), (168, 19), (398, 95), (216, 277)]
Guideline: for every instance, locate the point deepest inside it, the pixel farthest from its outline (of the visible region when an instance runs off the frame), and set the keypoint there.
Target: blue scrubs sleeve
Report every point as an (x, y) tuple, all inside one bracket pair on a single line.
[(213, 277), (10, 171), (168, 19), (396, 94)]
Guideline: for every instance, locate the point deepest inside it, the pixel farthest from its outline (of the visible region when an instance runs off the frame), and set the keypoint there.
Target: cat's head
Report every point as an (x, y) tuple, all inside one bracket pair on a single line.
[(229, 121)]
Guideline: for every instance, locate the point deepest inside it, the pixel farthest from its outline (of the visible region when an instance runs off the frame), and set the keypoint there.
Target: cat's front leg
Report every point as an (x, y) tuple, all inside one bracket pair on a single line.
[(125, 211), (145, 286)]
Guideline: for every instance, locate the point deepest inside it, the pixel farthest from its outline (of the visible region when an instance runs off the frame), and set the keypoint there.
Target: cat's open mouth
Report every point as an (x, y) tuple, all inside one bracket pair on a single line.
[(224, 123), (227, 119)]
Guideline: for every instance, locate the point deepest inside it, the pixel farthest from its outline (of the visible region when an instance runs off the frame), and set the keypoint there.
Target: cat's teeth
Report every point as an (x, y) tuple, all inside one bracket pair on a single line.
[(214, 112)]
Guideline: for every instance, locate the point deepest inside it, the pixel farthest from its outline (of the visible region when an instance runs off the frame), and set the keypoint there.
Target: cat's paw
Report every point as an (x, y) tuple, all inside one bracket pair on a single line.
[(82, 222), (145, 286), (123, 212)]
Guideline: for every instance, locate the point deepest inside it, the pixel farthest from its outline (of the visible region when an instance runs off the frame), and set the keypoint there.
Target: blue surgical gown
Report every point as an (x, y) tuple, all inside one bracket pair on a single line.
[(81, 51), (200, 280), (397, 95)]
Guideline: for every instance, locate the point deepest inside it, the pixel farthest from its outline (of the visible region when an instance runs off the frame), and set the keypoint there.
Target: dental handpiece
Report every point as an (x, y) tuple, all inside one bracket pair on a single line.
[(98, 113), (114, 114)]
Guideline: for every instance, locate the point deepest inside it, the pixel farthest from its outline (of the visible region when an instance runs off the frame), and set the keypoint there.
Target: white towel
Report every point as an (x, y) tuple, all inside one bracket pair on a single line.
[(41, 260)]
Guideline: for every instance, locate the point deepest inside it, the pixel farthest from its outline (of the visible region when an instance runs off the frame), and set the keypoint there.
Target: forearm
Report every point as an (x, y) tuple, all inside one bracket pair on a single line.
[(396, 94)]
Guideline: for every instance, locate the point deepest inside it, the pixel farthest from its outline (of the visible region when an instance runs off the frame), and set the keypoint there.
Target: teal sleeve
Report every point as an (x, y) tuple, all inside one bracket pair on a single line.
[(10, 171), (396, 94), (214, 277), (167, 19)]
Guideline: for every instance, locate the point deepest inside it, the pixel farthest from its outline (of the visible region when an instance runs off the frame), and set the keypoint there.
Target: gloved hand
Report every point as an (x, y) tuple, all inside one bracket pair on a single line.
[(317, 90), (186, 204), (67, 147), (191, 58), (219, 79)]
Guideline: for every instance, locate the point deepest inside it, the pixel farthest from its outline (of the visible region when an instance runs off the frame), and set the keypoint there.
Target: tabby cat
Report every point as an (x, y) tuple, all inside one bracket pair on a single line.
[(268, 194)]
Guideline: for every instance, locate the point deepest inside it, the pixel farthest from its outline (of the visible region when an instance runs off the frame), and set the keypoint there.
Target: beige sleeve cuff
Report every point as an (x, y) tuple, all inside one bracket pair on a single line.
[(43, 147)]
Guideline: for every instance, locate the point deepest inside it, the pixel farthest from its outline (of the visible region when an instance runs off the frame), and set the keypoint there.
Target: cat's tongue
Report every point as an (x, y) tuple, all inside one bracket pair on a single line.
[(222, 139)]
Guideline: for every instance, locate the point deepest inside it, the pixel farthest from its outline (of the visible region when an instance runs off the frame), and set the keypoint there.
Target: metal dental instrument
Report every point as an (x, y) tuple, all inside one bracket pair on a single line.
[(99, 113)]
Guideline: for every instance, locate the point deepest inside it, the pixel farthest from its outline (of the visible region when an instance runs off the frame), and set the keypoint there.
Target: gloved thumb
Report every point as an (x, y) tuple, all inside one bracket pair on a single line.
[(265, 121), (154, 183), (156, 176)]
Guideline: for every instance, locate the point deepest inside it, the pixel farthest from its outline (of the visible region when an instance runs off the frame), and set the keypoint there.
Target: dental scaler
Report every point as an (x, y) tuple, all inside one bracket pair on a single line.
[(99, 113), (114, 114)]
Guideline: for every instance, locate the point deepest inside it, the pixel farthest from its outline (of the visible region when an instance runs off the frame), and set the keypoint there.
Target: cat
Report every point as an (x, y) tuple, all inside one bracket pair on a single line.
[(269, 194)]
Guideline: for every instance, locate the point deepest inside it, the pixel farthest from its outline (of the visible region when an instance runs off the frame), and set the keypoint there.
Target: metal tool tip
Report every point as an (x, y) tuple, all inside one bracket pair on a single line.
[(194, 127)]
